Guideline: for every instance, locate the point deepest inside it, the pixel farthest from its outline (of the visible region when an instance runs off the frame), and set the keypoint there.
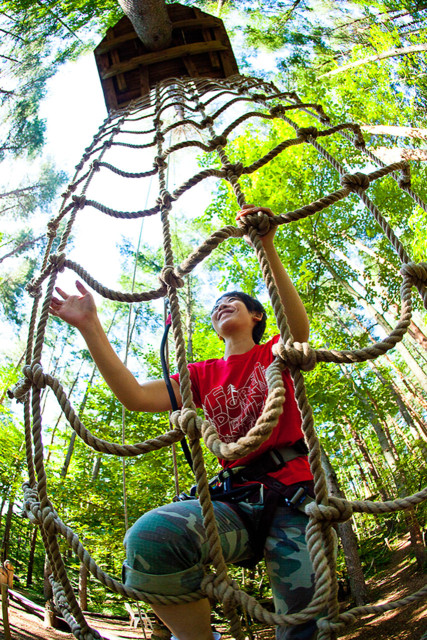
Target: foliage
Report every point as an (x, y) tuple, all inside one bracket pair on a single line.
[(24, 210)]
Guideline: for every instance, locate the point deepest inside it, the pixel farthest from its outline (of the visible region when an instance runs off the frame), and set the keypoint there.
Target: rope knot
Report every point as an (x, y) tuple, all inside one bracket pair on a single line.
[(52, 227), (259, 96), (324, 119), (278, 110), (355, 181), (359, 140), (58, 261), (157, 122), (70, 189), (405, 175), (165, 200), (34, 289), (160, 162), (206, 122), (257, 218), (417, 272), (20, 390), (233, 170), (79, 201), (298, 354), (159, 137), (170, 278), (34, 374), (188, 422), (79, 166), (95, 165), (307, 132), (337, 510), (217, 141)]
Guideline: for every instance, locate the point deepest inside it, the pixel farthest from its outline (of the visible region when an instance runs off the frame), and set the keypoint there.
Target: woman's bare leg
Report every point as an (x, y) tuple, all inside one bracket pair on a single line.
[(189, 621)]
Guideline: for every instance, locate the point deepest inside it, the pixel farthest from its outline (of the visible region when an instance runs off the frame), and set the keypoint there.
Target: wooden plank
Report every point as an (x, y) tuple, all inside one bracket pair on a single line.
[(161, 56), (121, 81), (190, 66), (227, 58), (207, 37), (107, 85), (213, 56), (5, 612), (144, 81), (190, 23), (27, 604)]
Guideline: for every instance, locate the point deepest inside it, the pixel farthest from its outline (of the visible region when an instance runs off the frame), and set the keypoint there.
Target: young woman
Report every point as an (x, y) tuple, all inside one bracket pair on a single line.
[(166, 548)]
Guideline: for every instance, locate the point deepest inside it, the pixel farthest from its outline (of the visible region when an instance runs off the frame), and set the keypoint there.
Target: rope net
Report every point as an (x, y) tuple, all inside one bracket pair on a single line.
[(195, 101)]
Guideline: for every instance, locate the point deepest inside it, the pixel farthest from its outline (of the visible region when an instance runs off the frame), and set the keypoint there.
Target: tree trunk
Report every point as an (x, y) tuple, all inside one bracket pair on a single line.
[(413, 330), (19, 192), (403, 350), (391, 53), (396, 154), (406, 383), (83, 574), (23, 245), (151, 22), (386, 446), (70, 449), (7, 527), (416, 537), (375, 474), (401, 132), (96, 467), (348, 539), (31, 557)]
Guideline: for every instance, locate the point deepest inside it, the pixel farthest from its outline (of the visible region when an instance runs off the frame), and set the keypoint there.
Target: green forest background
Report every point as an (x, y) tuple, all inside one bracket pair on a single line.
[(364, 62)]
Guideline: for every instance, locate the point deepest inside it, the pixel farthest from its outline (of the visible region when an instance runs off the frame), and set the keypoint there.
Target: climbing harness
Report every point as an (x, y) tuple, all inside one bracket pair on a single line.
[(251, 484), (166, 377)]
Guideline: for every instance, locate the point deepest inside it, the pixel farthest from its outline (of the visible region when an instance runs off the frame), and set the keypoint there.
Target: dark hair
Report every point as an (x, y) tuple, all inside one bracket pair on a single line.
[(252, 305)]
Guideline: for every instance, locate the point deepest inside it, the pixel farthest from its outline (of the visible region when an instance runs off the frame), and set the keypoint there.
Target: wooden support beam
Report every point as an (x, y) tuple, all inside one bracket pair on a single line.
[(207, 37), (201, 23), (190, 66), (227, 59), (145, 84), (161, 56), (5, 611)]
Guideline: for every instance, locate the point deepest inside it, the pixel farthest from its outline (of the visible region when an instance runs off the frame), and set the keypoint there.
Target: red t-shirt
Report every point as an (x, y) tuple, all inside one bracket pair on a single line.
[(232, 394)]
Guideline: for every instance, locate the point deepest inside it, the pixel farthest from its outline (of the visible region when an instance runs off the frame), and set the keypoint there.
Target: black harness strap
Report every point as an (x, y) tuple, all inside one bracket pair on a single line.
[(169, 387)]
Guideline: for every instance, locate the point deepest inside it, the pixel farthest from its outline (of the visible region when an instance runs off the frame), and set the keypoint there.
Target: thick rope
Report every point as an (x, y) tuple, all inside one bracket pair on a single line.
[(194, 97)]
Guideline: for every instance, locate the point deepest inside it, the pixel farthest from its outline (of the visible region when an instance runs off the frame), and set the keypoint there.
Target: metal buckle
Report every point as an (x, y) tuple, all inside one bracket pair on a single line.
[(298, 498)]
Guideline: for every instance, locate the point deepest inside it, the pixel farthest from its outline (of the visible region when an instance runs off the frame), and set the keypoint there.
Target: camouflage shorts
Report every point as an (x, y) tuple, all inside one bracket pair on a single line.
[(167, 550)]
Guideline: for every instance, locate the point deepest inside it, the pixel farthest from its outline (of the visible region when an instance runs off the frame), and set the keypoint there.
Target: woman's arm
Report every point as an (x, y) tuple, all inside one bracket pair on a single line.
[(293, 305), (294, 308), (80, 312)]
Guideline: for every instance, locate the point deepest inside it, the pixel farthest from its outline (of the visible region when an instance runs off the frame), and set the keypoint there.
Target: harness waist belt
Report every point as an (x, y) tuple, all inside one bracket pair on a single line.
[(268, 462)]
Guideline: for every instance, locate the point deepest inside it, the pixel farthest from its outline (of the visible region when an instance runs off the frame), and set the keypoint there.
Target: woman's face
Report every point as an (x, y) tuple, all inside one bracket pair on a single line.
[(231, 315)]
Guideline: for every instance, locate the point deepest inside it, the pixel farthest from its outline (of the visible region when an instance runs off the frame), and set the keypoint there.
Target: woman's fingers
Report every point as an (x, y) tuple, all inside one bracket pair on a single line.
[(81, 288), (61, 293)]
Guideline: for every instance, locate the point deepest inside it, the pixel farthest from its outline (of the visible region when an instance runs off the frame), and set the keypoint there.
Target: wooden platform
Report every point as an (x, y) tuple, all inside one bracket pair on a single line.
[(200, 48)]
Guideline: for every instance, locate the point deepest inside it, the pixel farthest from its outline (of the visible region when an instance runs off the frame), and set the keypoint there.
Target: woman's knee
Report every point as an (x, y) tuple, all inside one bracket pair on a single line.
[(170, 536), (163, 551)]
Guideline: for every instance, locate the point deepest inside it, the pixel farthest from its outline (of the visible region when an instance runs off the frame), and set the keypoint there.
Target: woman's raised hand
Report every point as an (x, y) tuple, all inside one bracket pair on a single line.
[(76, 310)]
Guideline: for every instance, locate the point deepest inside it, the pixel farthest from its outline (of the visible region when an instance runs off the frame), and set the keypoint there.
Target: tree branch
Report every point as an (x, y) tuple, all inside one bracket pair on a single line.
[(391, 53)]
